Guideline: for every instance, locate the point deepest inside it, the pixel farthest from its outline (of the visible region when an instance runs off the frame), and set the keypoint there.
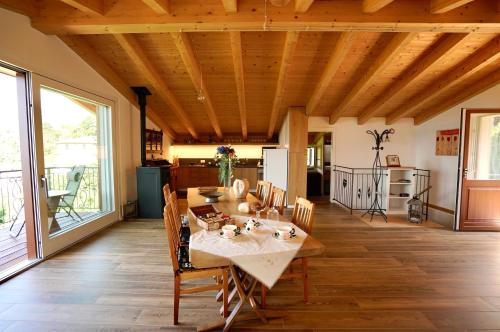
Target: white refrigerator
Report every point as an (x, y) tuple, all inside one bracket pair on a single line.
[(276, 167)]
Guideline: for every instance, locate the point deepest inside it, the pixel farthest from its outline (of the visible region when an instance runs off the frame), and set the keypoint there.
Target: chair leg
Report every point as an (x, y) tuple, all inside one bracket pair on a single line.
[(177, 292), (263, 293), (225, 296), (306, 281)]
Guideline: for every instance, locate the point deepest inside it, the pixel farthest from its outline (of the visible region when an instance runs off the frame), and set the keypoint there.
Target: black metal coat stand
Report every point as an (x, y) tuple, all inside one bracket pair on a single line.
[(377, 173)]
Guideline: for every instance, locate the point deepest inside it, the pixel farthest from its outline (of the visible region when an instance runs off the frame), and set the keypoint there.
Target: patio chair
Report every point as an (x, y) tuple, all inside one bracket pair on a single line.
[(67, 201), (18, 218)]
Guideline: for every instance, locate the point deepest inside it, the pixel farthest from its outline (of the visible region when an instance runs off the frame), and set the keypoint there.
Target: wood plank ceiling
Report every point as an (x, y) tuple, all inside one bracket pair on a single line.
[(252, 59)]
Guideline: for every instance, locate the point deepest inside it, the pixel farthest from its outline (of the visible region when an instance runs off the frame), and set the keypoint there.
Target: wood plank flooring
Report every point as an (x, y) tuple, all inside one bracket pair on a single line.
[(369, 279)]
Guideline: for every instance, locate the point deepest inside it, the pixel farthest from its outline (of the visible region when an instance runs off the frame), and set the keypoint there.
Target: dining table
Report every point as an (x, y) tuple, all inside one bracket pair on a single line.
[(254, 256)]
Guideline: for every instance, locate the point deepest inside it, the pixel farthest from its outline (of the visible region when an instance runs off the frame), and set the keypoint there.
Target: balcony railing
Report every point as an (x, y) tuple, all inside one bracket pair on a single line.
[(11, 190), (354, 187)]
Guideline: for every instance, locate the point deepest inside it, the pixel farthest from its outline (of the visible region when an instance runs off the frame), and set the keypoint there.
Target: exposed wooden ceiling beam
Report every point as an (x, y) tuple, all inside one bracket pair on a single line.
[(479, 86), (89, 55), (302, 6), (28, 8), (288, 50), (372, 6), (93, 7), (444, 46), (472, 64), (160, 7), (239, 76), (338, 15), (339, 52), (183, 44), (133, 49), (230, 6), (443, 6), (398, 42)]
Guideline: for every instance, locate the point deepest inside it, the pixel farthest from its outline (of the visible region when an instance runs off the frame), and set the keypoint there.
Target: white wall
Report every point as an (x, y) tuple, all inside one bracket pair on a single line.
[(25, 47), (444, 168), (352, 146)]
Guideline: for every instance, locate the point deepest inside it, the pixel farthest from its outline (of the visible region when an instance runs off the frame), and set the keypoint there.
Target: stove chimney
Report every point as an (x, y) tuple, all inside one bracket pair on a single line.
[(142, 92)]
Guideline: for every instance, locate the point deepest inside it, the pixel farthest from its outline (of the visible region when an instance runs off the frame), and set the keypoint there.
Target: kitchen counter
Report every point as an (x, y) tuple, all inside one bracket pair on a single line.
[(213, 166), (199, 176)]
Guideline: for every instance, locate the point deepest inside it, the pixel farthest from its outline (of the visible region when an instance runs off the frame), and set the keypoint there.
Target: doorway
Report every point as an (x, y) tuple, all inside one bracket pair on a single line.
[(319, 151), (480, 171), (18, 231)]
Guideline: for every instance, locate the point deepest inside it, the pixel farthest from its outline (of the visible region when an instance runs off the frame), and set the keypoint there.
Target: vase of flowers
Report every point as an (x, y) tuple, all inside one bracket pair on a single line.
[(226, 158)]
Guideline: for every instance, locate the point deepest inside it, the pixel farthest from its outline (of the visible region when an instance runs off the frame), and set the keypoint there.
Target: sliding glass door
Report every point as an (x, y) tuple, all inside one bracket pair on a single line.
[(18, 231), (75, 154)]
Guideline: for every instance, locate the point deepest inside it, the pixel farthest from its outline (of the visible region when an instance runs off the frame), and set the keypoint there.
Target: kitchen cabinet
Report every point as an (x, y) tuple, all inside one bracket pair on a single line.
[(196, 176)]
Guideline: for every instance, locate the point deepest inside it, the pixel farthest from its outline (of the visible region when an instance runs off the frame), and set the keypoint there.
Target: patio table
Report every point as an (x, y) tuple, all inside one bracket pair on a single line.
[(53, 199), (252, 256)]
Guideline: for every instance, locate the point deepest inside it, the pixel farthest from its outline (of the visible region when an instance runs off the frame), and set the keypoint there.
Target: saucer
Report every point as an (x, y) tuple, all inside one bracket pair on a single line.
[(257, 224), (283, 239), (228, 238)]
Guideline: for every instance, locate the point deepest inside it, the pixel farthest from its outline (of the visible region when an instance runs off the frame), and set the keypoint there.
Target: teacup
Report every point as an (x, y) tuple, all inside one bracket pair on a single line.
[(284, 232), (250, 224), (230, 231)]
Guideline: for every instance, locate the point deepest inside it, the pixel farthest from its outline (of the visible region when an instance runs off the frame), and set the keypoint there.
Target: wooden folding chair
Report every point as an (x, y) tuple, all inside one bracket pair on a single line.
[(277, 199), (180, 274), (263, 191), (302, 217)]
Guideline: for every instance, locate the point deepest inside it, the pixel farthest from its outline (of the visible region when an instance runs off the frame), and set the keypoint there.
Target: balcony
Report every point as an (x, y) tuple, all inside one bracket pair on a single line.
[(13, 243)]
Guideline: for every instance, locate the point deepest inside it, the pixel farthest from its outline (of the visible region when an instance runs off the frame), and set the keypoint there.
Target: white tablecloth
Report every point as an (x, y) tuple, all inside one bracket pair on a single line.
[(257, 252)]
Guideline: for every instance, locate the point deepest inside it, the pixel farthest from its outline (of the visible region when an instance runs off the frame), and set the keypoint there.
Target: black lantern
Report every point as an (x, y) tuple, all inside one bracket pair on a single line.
[(415, 210)]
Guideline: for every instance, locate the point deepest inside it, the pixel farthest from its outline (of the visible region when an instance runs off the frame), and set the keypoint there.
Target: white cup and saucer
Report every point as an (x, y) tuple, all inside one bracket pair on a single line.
[(251, 224), (284, 233), (229, 231)]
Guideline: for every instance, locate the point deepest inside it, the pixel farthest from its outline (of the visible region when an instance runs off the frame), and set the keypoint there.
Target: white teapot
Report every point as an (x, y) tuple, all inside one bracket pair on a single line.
[(240, 188)]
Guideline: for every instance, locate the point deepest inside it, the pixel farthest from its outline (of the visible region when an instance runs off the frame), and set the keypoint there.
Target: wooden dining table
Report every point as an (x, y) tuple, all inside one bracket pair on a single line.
[(244, 282)]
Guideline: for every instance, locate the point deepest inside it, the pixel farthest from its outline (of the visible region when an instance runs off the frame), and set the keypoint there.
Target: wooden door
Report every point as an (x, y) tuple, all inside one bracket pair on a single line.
[(480, 196)]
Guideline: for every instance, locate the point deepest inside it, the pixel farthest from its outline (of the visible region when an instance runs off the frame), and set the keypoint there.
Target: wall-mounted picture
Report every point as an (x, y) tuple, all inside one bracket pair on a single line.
[(392, 160), (447, 142)]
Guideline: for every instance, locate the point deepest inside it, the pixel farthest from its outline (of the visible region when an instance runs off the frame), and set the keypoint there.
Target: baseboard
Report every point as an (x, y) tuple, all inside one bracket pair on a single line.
[(440, 208)]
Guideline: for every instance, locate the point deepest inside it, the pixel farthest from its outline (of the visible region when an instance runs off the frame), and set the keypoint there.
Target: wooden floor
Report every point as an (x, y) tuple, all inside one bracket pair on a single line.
[(369, 279), (13, 249)]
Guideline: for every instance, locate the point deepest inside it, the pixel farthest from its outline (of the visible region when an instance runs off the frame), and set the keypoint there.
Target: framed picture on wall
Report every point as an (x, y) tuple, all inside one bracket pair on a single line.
[(447, 142), (392, 160)]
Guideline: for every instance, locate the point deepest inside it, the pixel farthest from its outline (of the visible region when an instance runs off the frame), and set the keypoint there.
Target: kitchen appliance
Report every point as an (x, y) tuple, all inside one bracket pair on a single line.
[(276, 167)]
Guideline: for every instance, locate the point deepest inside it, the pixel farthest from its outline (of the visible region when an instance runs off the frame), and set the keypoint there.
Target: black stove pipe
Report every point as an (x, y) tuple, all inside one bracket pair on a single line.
[(142, 92)]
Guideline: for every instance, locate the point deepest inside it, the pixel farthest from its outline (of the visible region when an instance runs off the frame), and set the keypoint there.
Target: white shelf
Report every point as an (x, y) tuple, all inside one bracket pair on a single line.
[(396, 204)]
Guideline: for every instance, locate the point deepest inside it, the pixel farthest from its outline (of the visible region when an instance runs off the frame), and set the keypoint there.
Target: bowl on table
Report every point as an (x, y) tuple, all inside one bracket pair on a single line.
[(212, 196)]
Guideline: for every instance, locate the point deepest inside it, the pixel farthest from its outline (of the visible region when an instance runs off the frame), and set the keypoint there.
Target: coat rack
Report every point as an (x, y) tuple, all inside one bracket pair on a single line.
[(377, 172)]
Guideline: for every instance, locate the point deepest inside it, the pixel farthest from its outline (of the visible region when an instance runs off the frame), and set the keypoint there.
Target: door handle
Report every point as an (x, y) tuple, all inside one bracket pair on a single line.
[(44, 182)]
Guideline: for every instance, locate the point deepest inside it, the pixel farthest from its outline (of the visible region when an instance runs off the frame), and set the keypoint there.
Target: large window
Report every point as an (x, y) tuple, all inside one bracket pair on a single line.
[(77, 153), (484, 147)]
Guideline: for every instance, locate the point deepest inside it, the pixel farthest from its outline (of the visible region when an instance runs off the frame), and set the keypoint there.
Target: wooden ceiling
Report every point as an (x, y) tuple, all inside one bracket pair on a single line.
[(252, 59)]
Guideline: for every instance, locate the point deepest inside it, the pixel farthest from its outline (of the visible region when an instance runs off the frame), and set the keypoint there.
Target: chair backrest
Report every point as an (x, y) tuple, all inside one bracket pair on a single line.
[(277, 199), (74, 177), (173, 242), (166, 192), (174, 206), (303, 214), (263, 191)]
